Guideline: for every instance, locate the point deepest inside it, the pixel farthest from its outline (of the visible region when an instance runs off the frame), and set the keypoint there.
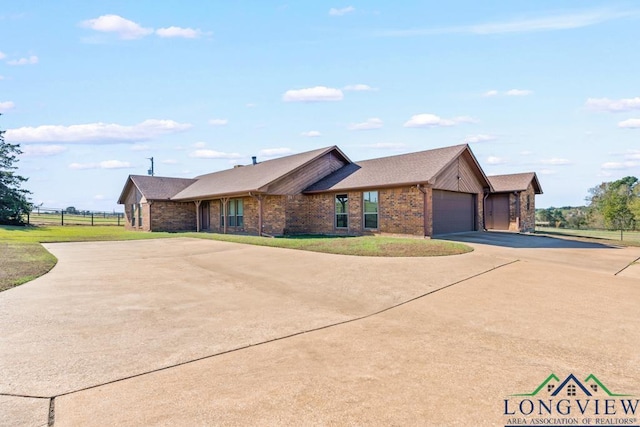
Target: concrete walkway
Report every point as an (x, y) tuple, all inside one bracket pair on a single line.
[(197, 332)]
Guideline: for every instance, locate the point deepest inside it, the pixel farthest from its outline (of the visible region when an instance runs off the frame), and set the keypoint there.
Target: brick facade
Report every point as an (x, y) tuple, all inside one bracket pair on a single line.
[(523, 202), (172, 216)]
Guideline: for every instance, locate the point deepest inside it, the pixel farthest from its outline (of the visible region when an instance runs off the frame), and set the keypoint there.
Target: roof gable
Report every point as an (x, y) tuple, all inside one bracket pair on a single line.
[(155, 187), (405, 169), (515, 182), (252, 178)]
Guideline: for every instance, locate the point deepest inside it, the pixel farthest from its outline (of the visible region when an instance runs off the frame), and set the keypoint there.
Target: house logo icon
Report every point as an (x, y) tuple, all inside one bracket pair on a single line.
[(572, 401), (572, 387)]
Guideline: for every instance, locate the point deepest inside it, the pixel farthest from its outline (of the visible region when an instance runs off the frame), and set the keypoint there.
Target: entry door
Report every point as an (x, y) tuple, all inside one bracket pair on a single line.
[(205, 220), (498, 212)]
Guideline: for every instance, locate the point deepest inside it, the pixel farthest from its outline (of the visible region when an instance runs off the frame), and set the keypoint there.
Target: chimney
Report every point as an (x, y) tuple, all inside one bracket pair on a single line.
[(254, 159)]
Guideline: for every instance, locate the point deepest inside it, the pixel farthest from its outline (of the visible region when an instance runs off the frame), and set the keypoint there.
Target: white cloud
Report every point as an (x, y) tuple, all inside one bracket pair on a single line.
[(99, 197), (218, 122), (169, 162), (472, 139), (359, 88), (96, 132), (547, 172), (556, 161), (613, 105), (432, 120), (251, 105), (518, 92), (212, 154), (140, 147), (343, 11), (24, 61), (1, 77), (493, 160), (512, 92), (527, 25), (275, 152), (106, 164), (630, 124), (187, 33), (311, 134), (313, 94), (620, 165), (6, 106), (124, 28), (372, 123), (387, 146), (42, 150), (199, 144), (526, 153), (2, 55), (633, 154)]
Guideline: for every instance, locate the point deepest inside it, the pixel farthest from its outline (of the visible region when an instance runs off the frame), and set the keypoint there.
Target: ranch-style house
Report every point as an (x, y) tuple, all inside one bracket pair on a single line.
[(322, 191)]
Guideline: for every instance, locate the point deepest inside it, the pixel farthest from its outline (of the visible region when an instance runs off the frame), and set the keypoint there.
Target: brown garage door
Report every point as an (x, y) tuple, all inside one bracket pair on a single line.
[(497, 212), (453, 212)]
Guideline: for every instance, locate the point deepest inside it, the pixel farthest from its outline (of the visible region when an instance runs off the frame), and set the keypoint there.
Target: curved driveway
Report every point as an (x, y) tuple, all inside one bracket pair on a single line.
[(169, 332)]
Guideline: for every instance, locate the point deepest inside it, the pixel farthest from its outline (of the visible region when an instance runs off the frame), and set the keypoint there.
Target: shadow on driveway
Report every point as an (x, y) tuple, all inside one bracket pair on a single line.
[(514, 240)]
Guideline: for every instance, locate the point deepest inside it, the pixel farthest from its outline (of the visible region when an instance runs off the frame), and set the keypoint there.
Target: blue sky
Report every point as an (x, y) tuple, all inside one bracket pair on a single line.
[(90, 90)]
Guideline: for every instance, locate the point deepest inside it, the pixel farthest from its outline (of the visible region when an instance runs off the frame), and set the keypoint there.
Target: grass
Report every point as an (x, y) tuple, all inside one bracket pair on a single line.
[(22, 257), (630, 238)]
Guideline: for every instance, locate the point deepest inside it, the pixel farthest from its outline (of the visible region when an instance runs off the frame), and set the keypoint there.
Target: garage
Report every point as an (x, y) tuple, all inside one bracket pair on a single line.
[(453, 212)]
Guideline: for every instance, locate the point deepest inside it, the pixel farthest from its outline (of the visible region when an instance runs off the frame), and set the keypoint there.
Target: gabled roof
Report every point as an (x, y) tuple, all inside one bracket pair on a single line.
[(251, 178), (156, 187), (405, 169), (515, 182)]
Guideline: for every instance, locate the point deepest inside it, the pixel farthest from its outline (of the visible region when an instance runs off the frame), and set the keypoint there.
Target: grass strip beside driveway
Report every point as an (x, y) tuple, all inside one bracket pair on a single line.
[(22, 257)]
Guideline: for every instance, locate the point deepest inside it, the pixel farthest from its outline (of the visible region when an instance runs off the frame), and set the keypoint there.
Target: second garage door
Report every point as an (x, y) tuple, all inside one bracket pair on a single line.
[(453, 212)]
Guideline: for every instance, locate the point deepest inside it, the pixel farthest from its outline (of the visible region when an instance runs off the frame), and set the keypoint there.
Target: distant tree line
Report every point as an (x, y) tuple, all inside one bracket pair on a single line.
[(611, 205)]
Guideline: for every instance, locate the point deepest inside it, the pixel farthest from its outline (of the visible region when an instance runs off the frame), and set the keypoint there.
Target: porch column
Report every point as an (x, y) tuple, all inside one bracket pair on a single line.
[(517, 193), (197, 202)]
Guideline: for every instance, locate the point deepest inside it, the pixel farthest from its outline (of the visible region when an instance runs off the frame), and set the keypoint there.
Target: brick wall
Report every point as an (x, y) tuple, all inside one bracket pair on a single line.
[(170, 216), (528, 216), (401, 211)]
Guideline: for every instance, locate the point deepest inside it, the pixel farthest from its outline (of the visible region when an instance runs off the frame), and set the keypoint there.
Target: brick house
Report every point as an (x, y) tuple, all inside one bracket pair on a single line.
[(319, 192), (512, 204)]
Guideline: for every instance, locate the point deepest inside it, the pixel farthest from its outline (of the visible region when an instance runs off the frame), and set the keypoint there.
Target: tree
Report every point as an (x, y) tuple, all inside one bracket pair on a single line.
[(617, 202), (13, 200)]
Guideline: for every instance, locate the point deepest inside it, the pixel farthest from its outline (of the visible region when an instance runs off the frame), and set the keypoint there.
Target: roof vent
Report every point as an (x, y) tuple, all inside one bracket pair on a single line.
[(254, 159)]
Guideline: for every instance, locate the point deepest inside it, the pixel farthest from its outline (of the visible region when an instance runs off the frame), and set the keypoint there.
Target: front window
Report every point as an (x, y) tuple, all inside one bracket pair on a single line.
[(370, 201), (235, 213), (342, 211)]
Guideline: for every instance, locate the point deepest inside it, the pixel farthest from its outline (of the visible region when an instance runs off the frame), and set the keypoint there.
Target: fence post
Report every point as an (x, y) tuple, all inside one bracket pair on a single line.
[(62, 217), (92, 219)]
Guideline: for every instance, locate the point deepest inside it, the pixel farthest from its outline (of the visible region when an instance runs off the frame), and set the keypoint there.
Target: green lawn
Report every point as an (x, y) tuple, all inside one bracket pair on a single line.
[(630, 238), (22, 257)]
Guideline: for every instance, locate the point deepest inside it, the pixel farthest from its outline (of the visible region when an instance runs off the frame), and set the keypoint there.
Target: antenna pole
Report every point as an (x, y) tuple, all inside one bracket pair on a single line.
[(151, 172)]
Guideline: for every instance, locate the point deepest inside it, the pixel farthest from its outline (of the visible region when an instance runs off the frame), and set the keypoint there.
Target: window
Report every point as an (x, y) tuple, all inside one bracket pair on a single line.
[(571, 390), (342, 211), (370, 202), (528, 201), (235, 213)]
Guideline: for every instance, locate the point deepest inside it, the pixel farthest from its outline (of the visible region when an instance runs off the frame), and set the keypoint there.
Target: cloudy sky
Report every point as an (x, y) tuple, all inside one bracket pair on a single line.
[(91, 90)]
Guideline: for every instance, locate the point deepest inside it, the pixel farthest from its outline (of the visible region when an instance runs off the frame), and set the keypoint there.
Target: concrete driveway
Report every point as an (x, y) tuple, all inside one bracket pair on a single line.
[(198, 332)]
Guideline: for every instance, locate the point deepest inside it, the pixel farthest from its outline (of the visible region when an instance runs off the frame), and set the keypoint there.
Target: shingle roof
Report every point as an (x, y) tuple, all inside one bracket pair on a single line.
[(412, 168), (515, 182), (248, 178), (158, 187)]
